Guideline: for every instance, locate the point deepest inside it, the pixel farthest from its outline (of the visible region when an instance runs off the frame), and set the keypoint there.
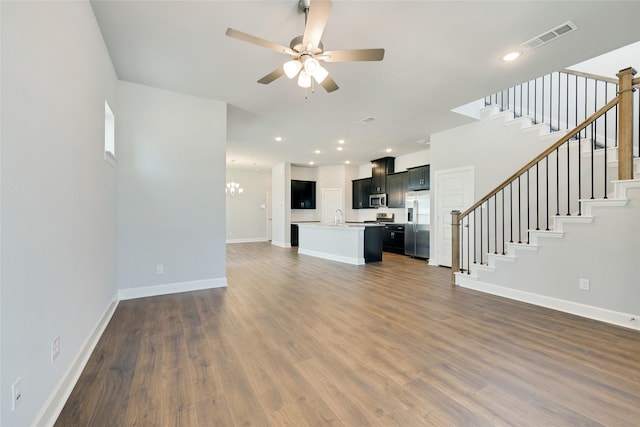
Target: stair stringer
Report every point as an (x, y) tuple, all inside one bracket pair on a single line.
[(602, 245)]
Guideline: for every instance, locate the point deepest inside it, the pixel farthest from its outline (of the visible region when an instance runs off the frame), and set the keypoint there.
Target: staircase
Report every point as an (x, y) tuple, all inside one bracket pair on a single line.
[(562, 232)]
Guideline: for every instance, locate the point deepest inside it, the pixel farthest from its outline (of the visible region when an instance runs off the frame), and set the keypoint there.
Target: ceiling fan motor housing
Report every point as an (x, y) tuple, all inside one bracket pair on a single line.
[(297, 45)]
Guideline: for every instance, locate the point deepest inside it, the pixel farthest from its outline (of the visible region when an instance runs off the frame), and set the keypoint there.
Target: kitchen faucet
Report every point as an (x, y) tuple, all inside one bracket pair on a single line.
[(335, 218)]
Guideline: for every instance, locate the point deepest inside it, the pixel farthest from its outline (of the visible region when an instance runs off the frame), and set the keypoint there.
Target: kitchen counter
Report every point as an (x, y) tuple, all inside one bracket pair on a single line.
[(351, 243)]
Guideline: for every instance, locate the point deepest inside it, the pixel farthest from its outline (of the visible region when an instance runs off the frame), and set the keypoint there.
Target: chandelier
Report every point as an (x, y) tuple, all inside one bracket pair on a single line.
[(233, 188)]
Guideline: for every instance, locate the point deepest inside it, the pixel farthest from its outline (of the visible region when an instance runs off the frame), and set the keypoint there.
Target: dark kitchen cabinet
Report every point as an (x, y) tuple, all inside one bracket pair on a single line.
[(419, 178), (373, 244), (361, 189), (379, 170), (393, 238), (397, 185), (294, 235), (303, 194)]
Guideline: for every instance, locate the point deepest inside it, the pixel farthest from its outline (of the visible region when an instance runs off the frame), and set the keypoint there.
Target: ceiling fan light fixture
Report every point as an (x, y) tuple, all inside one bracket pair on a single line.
[(291, 68), (311, 65), (320, 74), (304, 79)]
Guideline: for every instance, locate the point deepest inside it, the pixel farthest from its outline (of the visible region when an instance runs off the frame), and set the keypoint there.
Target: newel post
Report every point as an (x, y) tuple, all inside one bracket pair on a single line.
[(625, 123), (455, 245)]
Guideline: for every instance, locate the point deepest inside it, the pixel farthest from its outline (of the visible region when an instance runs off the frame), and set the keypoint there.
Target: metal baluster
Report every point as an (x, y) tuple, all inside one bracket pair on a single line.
[(511, 209), (559, 84), (503, 236), (528, 98), (567, 102), (576, 122), (475, 231), (605, 152), (569, 177), (615, 134), (557, 181), (468, 246), (528, 207), (537, 196), (547, 174), (481, 249), (519, 212), (508, 104), (488, 229), (542, 121), (521, 112), (579, 173), (535, 101), (461, 242), (585, 105), (495, 224), (595, 97), (592, 156), (551, 102)]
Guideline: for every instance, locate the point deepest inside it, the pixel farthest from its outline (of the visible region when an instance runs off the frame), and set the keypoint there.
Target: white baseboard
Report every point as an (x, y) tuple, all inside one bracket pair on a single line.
[(332, 257), (171, 288), (55, 403), (596, 313), (281, 244), (251, 240)]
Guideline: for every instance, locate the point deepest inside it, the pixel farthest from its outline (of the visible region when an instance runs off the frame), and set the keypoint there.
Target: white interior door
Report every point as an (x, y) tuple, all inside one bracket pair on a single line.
[(331, 202), (454, 191)]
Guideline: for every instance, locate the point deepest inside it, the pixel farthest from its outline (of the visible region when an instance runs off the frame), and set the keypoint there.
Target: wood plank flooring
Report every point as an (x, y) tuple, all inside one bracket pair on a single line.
[(300, 341)]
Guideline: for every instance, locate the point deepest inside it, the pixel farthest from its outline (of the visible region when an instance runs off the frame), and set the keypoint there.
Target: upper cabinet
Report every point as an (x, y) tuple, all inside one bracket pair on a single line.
[(397, 185), (303, 194), (379, 170), (419, 178), (361, 192)]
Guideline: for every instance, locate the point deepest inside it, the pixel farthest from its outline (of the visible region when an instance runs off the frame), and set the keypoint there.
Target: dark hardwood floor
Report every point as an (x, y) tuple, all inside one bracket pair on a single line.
[(300, 341)]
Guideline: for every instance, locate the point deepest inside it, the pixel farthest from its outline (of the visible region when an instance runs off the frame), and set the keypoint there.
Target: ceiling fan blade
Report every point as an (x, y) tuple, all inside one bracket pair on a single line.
[(329, 85), (258, 41), (278, 72), (352, 55), (316, 21)]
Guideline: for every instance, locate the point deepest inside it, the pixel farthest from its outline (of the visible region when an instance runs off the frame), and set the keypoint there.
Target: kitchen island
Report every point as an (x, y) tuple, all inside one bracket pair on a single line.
[(354, 243)]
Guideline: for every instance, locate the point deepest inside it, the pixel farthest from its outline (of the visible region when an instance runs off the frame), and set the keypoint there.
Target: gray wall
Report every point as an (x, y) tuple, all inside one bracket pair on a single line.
[(281, 202), (58, 195), (247, 213), (171, 203)]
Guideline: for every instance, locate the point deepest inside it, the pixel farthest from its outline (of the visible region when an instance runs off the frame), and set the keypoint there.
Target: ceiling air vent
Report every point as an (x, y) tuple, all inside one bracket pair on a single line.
[(550, 35), (366, 120)]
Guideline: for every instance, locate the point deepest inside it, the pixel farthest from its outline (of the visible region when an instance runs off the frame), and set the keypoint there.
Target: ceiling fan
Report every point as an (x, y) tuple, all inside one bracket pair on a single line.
[(306, 51)]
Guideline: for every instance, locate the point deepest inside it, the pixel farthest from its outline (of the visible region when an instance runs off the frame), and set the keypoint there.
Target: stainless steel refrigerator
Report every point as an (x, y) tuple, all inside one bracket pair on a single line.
[(418, 216)]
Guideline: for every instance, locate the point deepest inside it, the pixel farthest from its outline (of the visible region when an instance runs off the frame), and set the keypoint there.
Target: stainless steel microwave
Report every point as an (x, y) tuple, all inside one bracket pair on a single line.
[(378, 200)]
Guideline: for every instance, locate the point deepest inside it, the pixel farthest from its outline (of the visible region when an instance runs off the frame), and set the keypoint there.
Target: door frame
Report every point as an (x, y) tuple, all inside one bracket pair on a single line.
[(436, 221)]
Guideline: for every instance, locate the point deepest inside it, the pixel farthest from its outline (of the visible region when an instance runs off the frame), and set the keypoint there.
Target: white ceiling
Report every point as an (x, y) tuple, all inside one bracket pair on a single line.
[(439, 55)]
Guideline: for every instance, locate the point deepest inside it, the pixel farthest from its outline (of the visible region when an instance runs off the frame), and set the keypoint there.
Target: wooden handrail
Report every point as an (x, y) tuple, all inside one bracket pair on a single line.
[(590, 76), (542, 155)]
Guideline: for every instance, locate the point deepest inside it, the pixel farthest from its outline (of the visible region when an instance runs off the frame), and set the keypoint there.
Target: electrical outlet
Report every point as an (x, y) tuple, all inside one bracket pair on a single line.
[(16, 394), (160, 269), (584, 285), (55, 348)]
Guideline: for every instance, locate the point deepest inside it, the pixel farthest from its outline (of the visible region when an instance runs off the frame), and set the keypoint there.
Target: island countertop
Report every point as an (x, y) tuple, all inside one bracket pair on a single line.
[(351, 243)]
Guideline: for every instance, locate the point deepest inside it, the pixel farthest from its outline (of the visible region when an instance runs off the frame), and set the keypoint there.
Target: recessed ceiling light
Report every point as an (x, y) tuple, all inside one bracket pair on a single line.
[(341, 141), (278, 138), (512, 56), (310, 163), (317, 151), (339, 148), (388, 150), (347, 161)]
